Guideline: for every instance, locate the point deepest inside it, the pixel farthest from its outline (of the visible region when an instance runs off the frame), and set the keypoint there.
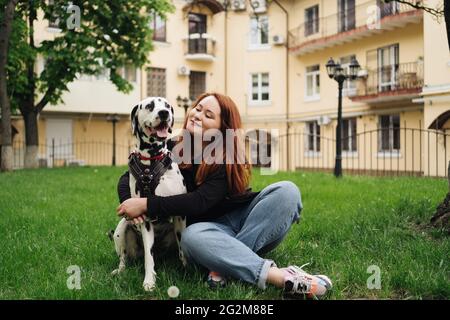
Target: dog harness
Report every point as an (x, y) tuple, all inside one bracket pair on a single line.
[(148, 176)]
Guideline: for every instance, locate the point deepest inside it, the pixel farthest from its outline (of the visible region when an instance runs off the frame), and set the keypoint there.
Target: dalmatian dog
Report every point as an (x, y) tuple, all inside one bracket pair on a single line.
[(151, 172)]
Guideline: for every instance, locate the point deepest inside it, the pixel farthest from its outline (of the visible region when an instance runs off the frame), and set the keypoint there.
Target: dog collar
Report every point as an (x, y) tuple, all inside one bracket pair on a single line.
[(157, 157)]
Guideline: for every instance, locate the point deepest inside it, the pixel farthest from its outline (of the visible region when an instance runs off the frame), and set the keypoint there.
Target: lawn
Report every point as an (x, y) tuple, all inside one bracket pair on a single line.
[(54, 218)]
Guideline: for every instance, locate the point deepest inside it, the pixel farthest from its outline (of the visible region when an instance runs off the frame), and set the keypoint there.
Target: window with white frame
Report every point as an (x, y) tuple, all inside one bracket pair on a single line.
[(313, 136), (349, 87), (389, 133), (259, 31), (260, 87), (348, 134), (313, 82)]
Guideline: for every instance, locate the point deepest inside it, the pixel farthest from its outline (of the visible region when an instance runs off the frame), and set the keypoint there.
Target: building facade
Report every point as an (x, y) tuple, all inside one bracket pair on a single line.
[(270, 57)]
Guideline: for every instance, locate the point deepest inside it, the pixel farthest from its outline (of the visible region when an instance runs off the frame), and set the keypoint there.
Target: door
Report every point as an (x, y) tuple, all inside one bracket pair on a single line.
[(388, 68), (388, 8), (197, 24), (346, 12), (59, 132)]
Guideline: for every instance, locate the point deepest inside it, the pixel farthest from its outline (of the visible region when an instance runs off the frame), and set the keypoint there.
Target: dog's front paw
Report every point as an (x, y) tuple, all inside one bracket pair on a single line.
[(117, 271), (149, 286), (149, 281)]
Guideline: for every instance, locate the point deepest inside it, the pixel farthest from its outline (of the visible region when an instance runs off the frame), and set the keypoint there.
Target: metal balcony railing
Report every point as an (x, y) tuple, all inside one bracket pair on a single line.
[(370, 15), (198, 45), (403, 77)]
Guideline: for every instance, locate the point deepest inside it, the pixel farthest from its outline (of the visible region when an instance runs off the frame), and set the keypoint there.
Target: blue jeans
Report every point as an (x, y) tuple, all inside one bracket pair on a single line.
[(231, 244)]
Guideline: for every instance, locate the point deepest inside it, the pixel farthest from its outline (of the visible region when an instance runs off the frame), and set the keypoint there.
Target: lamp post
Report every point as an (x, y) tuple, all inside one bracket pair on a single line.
[(114, 118), (336, 72), (184, 103)]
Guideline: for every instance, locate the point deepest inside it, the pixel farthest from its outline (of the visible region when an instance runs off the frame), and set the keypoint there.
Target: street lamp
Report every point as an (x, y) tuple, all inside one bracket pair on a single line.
[(184, 103), (336, 72), (114, 118)]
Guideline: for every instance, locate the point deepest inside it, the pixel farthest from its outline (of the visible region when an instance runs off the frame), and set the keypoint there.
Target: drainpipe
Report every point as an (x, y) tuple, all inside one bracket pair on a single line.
[(226, 4), (287, 86)]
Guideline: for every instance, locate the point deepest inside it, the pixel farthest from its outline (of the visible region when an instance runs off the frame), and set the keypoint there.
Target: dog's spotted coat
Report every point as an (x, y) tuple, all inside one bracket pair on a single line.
[(152, 120)]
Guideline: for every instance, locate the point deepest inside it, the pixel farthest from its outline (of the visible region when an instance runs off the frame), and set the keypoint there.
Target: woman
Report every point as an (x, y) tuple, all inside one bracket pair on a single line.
[(229, 226)]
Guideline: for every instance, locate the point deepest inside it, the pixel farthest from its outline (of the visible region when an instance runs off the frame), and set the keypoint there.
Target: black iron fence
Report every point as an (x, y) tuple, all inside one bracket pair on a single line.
[(59, 153), (390, 151)]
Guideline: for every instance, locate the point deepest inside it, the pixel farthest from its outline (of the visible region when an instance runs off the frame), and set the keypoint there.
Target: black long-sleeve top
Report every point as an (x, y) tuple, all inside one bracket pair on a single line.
[(205, 202)]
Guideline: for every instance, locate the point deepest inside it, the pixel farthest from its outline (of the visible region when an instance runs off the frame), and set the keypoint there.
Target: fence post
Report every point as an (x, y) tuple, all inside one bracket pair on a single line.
[(53, 152)]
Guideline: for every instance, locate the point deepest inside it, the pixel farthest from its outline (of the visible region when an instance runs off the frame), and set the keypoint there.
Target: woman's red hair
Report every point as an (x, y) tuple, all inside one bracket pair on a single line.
[(238, 174)]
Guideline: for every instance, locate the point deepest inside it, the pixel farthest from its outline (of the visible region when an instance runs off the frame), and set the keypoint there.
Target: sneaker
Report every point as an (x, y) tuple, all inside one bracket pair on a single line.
[(298, 283), (215, 280)]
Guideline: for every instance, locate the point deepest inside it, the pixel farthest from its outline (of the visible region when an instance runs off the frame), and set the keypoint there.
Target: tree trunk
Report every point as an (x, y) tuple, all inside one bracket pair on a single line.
[(5, 33), (31, 138), (441, 218)]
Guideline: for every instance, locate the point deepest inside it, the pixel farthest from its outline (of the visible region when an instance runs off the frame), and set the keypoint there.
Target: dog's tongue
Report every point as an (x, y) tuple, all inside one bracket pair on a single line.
[(162, 133)]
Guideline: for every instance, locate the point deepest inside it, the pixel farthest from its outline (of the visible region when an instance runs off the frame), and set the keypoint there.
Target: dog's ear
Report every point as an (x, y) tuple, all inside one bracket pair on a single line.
[(173, 119), (134, 120)]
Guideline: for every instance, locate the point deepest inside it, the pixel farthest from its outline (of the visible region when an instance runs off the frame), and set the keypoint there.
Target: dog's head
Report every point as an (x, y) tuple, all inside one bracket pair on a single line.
[(152, 119)]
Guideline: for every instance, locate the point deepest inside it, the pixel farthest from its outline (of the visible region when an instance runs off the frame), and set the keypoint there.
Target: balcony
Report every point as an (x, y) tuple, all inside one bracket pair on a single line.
[(361, 21), (199, 47), (398, 82)]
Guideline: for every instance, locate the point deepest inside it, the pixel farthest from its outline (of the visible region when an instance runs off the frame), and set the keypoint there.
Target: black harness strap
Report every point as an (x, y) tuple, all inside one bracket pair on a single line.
[(148, 177)]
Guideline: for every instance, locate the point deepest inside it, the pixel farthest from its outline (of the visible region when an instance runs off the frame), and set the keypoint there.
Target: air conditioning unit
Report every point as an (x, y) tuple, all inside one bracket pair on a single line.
[(183, 71), (238, 5), (324, 120), (363, 73), (258, 6), (278, 39)]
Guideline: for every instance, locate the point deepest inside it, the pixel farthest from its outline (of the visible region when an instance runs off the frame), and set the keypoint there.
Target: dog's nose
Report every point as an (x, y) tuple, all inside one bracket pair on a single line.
[(163, 115)]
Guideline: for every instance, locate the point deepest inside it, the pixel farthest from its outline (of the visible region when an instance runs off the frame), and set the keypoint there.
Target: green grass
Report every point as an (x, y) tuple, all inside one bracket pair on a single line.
[(52, 219)]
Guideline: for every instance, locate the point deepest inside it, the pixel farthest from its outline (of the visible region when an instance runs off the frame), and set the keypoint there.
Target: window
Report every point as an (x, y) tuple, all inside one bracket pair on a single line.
[(197, 84), (389, 8), (311, 20), (260, 149), (313, 82), (54, 21), (197, 25), (156, 82), (388, 65), (313, 136), (158, 25), (129, 73), (346, 13), (348, 134), (260, 87), (349, 87), (259, 31), (389, 133)]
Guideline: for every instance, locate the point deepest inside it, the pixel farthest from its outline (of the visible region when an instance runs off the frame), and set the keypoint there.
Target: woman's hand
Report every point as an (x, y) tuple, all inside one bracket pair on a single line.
[(133, 208)]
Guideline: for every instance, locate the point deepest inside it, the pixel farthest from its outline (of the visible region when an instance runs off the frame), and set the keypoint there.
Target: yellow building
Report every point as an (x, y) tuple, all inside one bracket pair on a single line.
[(270, 57)]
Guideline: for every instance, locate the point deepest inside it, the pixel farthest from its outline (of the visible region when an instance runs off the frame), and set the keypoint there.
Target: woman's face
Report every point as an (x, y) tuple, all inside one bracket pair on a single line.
[(206, 115)]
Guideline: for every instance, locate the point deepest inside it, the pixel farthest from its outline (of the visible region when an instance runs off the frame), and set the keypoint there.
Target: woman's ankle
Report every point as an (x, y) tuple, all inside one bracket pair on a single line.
[(276, 277)]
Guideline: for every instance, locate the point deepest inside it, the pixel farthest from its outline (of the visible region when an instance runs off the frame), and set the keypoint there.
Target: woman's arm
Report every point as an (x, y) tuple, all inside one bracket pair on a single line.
[(211, 192)]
